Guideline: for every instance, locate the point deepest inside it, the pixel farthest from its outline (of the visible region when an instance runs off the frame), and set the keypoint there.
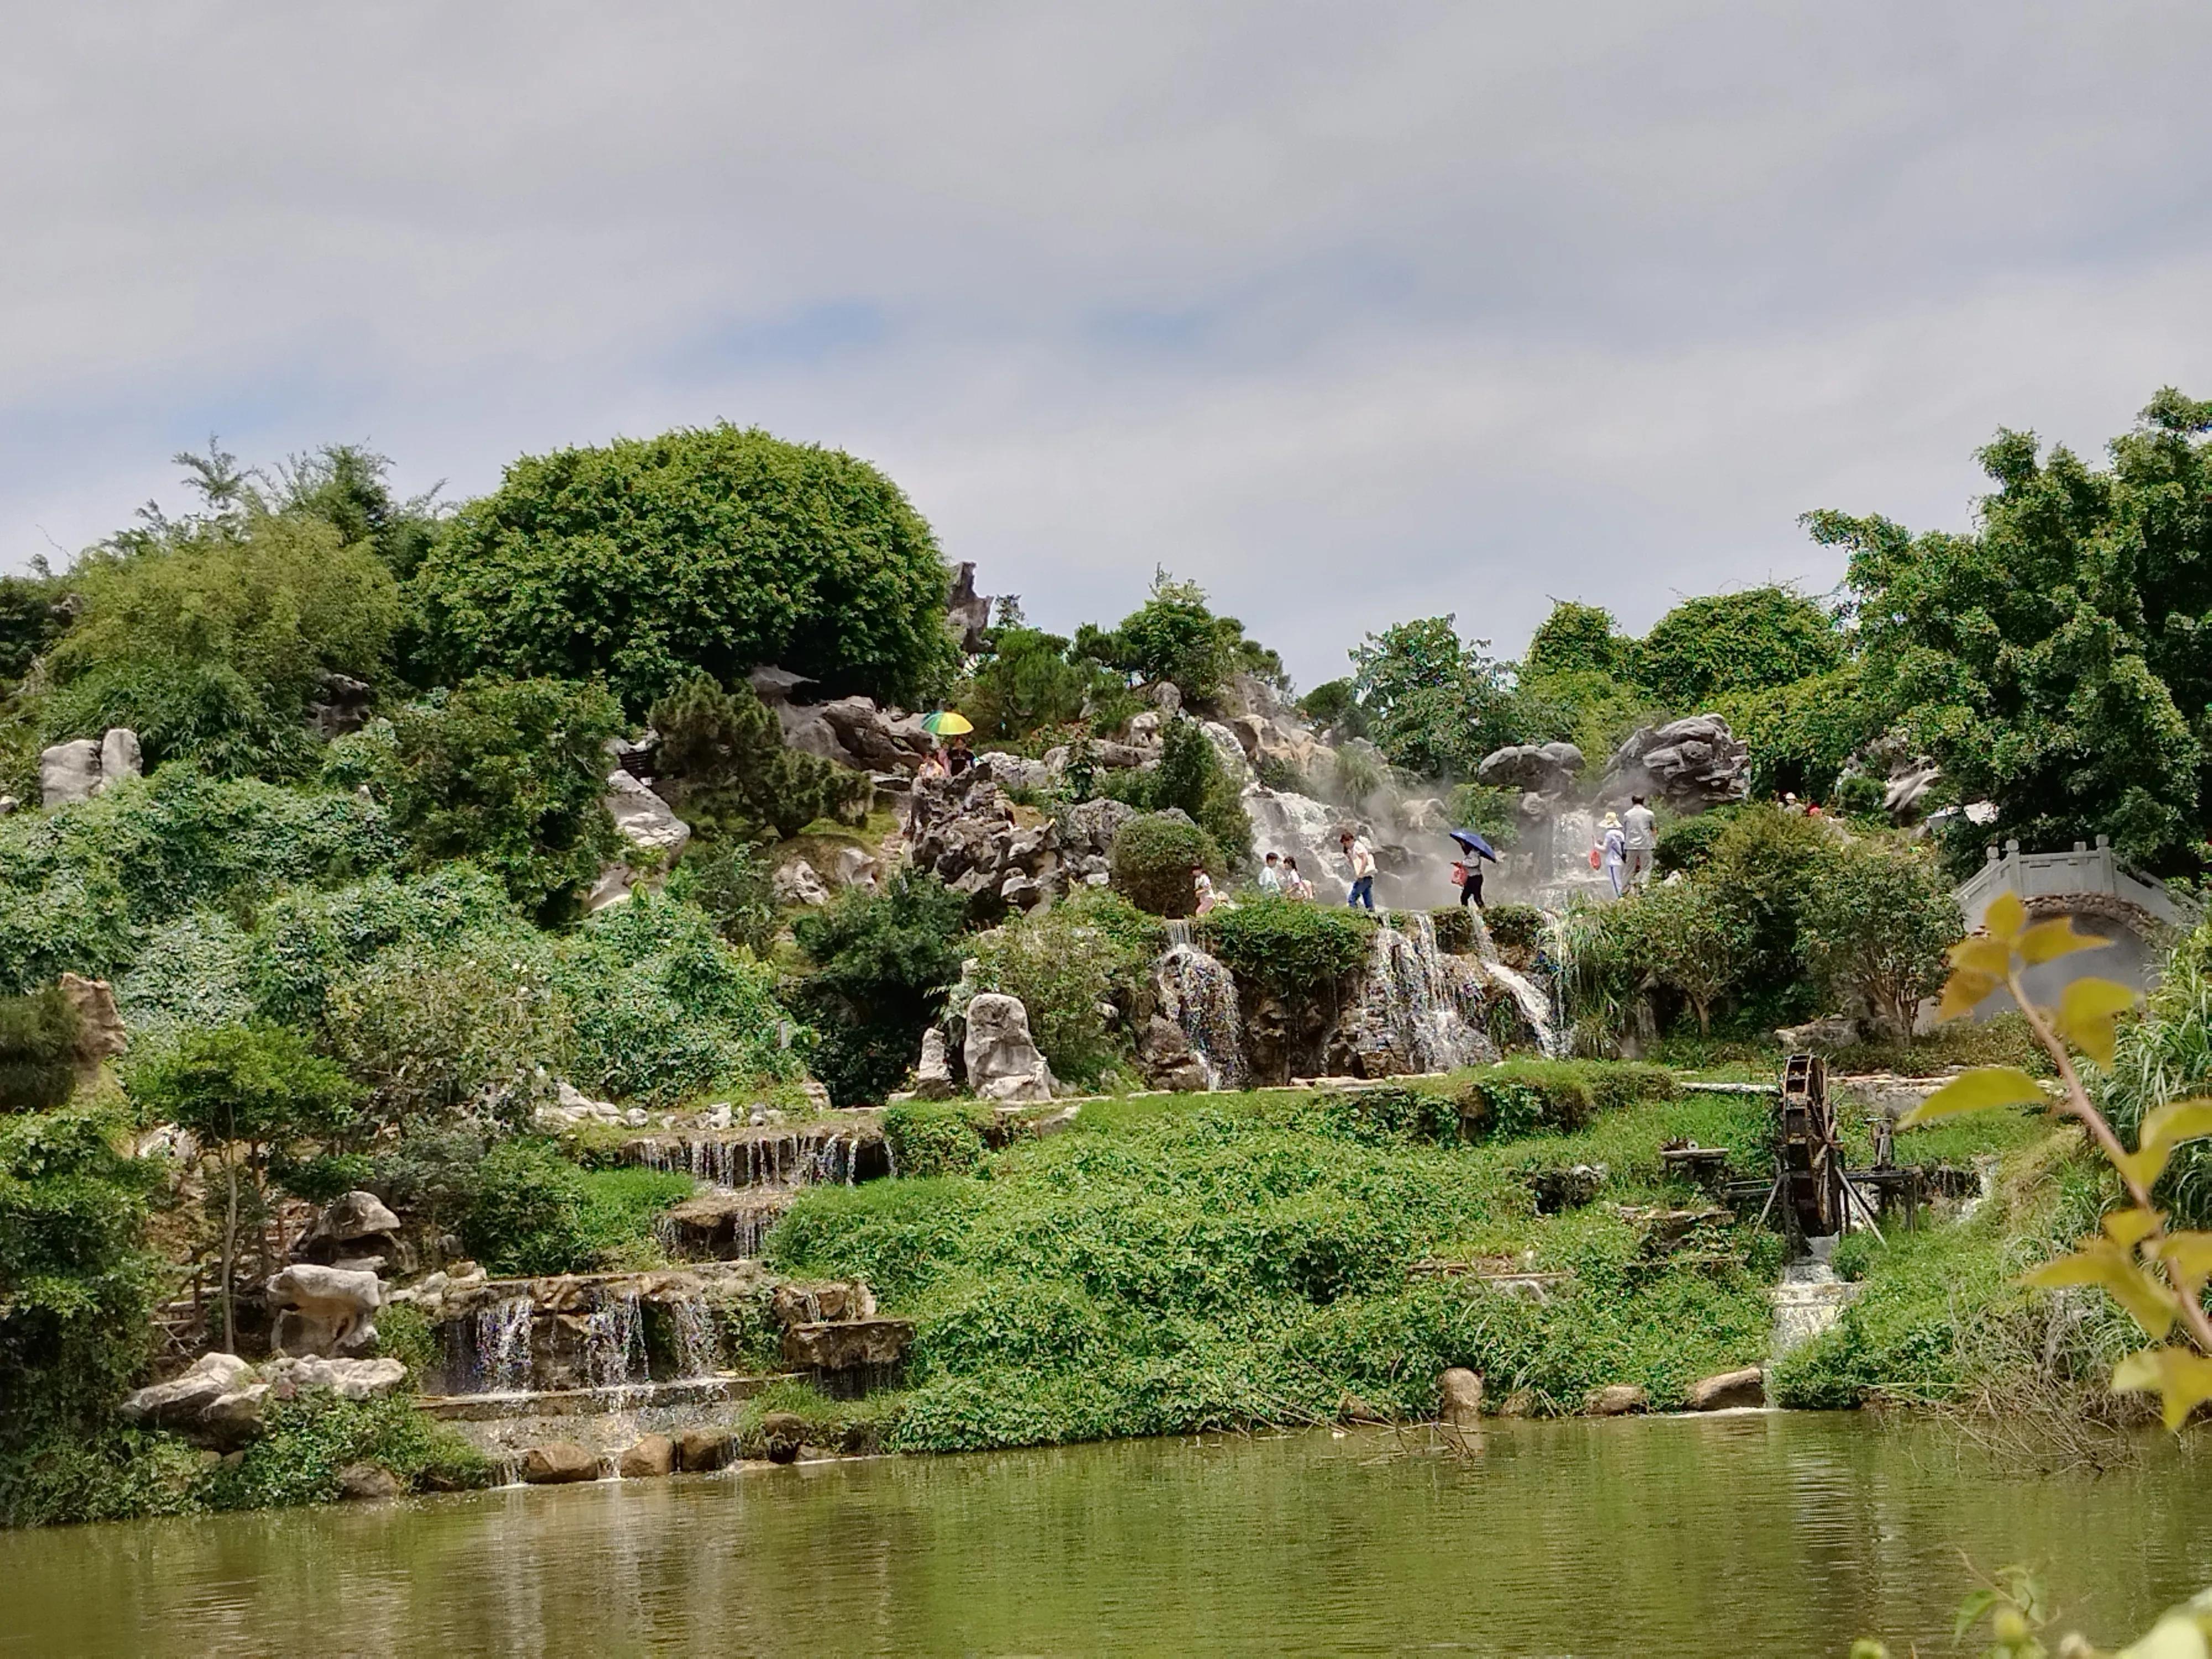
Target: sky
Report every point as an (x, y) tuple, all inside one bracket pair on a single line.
[(1352, 313)]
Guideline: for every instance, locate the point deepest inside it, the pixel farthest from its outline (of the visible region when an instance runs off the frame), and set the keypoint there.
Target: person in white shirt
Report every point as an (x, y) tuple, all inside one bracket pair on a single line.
[(1271, 874), (1202, 888), (1361, 857), (1641, 833), (1613, 854), (1294, 884)]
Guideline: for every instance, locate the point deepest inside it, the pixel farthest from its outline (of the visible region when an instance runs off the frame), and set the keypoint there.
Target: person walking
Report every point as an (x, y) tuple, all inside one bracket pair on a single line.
[(1294, 884), (1202, 890), (1640, 831), (1612, 854), (1361, 857), (1271, 875), (1466, 876)]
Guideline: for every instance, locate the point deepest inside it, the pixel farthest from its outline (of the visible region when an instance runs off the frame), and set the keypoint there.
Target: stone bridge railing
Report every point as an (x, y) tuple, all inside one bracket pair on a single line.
[(2086, 873)]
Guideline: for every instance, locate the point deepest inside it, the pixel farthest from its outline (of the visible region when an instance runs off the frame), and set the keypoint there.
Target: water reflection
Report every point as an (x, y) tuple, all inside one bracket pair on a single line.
[(1738, 1534)]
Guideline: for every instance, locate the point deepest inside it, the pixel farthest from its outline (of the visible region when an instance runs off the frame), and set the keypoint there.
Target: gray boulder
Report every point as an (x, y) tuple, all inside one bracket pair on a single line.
[(177, 1403), (646, 822), (798, 883), (932, 1073), (1730, 1390), (559, 1463), (348, 1379), (325, 1310), (1002, 1058), (1691, 764), (1540, 768), (100, 1034), (119, 756), (873, 737), (1459, 1399), (68, 772), (966, 611)]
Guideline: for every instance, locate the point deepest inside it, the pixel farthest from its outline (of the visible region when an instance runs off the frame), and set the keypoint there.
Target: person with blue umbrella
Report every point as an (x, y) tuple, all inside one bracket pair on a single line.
[(1467, 872)]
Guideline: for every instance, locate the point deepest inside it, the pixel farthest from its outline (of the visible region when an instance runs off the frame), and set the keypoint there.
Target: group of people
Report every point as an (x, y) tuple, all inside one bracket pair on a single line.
[(1626, 844), (947, 762)]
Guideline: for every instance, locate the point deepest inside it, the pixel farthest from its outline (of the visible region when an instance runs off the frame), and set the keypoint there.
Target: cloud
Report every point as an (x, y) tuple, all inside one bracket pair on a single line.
[(1352, 313)]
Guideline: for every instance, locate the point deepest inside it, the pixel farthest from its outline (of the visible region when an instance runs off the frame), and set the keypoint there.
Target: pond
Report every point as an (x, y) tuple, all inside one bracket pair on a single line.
[(1754, 1534)]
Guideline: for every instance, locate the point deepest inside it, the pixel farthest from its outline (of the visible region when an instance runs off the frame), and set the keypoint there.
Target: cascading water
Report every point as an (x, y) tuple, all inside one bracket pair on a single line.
[(1411, 1000), (1199, 995), (613, 1341), (698, 1352), (734, 1161), (1534, 1004), (501, 1362)]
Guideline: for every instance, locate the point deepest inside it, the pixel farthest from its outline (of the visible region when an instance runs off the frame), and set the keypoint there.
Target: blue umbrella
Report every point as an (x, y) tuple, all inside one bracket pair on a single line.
[(1472, 841)]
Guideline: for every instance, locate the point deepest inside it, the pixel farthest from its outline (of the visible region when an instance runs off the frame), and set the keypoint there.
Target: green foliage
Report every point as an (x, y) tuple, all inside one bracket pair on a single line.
[(31, 619), (1708, 647), (883, 964), (1859, 797), (1027, 684), (510, 774), (1765, 867), (726, 770), (711, 548), (1578, 639), (261, 1085), (1493, 813), (77, 1283), (344, 485), (929, 1139), (1171, 1266), (1526, 1097), (2051, 660), (2167, 1055), (1334, 706), (1153, 855), (211, 648), (1175, 636), (1878, 919), (1438, 706), (1516, 929), (77, 887), (535, 1213), (1288, 947), (1190, 778), (307, 1441), (1802, 733), (1686, 844), (1064, 963), (663, 1008), (734, 885), (39, 1036), (1691, 938), (97, 1473)]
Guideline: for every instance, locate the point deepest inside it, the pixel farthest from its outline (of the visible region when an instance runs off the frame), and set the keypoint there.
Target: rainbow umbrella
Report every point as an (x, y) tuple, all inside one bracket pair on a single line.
[(945, 723)]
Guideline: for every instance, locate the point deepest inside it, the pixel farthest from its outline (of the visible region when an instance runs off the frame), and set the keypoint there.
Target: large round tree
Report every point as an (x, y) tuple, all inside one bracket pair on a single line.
[(711, 548)]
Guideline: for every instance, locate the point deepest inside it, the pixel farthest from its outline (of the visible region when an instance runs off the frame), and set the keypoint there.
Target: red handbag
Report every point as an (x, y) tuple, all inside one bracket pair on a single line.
[(1597, 859)]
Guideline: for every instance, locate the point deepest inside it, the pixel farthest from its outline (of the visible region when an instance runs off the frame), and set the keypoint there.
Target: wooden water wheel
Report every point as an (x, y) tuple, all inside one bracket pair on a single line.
[(1808, 1159)]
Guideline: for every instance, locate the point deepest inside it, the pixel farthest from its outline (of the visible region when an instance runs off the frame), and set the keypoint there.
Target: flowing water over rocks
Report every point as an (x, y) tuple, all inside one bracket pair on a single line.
[(1199, 995), (818, 1155), (1410, 1015)]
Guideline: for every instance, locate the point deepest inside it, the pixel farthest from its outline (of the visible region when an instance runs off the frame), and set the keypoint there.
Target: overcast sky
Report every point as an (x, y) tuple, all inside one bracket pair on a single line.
[(1354, 312)]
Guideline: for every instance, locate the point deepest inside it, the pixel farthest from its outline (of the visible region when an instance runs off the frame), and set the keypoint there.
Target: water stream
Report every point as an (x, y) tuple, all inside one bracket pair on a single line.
[(1199, 995), (1662, 1538)]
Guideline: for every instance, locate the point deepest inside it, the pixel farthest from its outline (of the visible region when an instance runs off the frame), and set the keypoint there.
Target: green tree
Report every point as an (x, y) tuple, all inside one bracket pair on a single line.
[(714, 548), (1764, 866), (1191, 778), (1437, 705), (39, 1036), (1334, 705), (1721, 642), (1175, 636), (2055, 661), (1025, 684), (725, 767), (1691, 939), (1878, 920), (243, 1093), (1578, 639), (31, 616), (510, 773), (346, 486), (1801, 734), (733, 883), (1153, 855), (211, 648), (882, 963)]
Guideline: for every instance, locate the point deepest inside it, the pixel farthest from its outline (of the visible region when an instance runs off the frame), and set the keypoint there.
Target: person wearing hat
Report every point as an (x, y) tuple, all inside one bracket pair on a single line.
[(1613, 852)]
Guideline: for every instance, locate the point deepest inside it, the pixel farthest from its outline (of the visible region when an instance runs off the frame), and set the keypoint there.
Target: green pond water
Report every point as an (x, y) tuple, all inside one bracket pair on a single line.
[(1748, 1533)]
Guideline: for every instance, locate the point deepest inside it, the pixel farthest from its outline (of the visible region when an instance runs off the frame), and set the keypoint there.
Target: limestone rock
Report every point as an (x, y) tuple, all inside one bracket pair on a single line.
[(68, 772), (1167, 697), (1090, 828), (177, 1404), (647, 1459), (120, 757), (1002, 1058), (1460, 1399), (848, 1344), (343, 708), (855, 867), (776, 686), (1231, 752), (795, 1303), (325, 1310), (352, 1217), (231, 1419), (1747, 1387), (100, 1035), (807, 731), (933, 1074), (367, 1482), (1013, 771), (873, 737), (1691, 764), (796, 882), (1165, 1056), (348, 1379), (701, 1451), (782, 1434), (1616, 1400), (1831, 1031), (559, 1463), (966, 611), (646, 822), (1537, 768)]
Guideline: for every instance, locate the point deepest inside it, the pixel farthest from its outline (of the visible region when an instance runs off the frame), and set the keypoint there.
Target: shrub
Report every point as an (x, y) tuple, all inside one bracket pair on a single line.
[(1152, 856), (1685, 844), (1878, 922), (712, 548), (536, 1214), (306, 1443), (1064, 963), (1766, 866), (1859, 796), (734, 885), (1190, 779), (1524, 1095), (2167, 1055), (726, 769), (211, 648), (510, 773), (883, 964), (1286, 946), (191, 976), (929, 1139), (39, 1035), (1516, 929), (1175, 636), (1744, 641), (1689, 939), (1028, 685)]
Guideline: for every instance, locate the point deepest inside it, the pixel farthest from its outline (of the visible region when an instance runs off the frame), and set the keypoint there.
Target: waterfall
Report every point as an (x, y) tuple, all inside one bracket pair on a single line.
[(1808, 1301), (818, 1157), (614, 1340), (698, 1352), (1410, 998), (1535, 1005), (1178, 932), (1486, 948), (1199, 995), (501, 1362)]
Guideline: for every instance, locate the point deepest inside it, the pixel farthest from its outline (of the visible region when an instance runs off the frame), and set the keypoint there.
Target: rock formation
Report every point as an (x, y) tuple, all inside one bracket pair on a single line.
[(1691, 764), (219, 1401), (656, 838), (1537, 769), (966, 611), (325, 1310), (76, 771), (1002, 1059), (965, 830)]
